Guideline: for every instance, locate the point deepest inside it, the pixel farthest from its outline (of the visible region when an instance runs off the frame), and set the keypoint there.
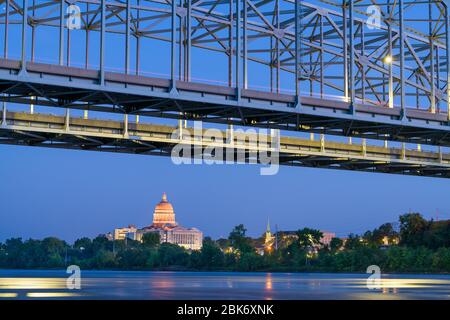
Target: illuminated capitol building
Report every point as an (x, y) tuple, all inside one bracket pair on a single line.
[(165, 225)]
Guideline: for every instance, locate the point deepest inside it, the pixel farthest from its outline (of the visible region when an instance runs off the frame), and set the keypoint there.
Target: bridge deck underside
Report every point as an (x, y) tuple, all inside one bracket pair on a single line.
[(113, 136), (75, 88)]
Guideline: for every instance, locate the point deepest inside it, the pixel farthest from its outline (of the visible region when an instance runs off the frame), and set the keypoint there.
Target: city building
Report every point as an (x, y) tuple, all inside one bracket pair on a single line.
[(327, 237), (282, 239), (169, 230), (122, 233), (269, 241), (109, 236)]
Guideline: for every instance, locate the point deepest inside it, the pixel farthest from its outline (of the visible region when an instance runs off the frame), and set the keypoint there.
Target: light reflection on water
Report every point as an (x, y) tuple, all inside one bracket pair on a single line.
[(43, 284), (32, 283)]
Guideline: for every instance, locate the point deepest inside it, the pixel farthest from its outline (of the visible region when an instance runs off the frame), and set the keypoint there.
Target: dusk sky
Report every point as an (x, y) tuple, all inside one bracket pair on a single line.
[(70, 194)]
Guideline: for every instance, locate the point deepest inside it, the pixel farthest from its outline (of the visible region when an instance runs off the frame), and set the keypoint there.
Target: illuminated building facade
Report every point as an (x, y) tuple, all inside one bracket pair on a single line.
[(268, 242), (122, 233), (327, 237), (169, 231), (269, 238)]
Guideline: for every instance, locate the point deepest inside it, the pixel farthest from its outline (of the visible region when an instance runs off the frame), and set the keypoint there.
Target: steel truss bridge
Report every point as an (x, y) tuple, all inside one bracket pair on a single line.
[(324, 66), (147, 139)]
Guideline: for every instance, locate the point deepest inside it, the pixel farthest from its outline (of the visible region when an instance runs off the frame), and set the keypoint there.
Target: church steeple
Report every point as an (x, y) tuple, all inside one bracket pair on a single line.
[(268, 236)]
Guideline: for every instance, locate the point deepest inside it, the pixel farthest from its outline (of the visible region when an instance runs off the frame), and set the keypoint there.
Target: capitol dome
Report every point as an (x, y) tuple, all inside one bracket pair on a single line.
[(164, 213)]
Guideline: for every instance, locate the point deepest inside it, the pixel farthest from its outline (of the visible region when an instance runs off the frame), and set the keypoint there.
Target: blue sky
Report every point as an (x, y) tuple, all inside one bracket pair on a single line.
[(69, 194)]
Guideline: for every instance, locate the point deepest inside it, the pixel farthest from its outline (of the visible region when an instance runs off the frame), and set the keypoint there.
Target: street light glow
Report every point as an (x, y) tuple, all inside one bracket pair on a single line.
[(388, 60)]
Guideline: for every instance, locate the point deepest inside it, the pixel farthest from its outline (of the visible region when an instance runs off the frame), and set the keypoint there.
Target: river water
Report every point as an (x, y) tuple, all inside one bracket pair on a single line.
[(52, 284)]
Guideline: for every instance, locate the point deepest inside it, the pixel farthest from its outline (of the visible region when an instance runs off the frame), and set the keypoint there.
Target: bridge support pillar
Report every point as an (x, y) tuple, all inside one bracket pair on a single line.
[(173, 87), (364, 147), (238, 94), (322, 143), (125, 125), (3, 124), (32, 105), (229, 150), (402, 60), (61, 32), (6, 21), (447, 30), (173, 44), (102, 43), (352, 73), (180, 129), (403, 151), (67, 120), (275, 137), (390, 62), (298, 102), (298, 52), (230, 135), (238, 49), (23, 64)]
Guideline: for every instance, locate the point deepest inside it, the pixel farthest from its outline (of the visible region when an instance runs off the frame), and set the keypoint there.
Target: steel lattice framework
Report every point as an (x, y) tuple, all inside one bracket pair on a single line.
[(40, 130), (327, 66)]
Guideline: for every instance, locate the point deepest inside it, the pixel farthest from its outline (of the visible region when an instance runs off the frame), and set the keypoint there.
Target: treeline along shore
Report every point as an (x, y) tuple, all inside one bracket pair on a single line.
[(418, 246)]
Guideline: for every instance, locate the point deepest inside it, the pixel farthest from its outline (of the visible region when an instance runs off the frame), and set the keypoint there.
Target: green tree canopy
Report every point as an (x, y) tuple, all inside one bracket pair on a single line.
[(239, 240), (412, 229), (308, 238), (151, 239), (336, 244)]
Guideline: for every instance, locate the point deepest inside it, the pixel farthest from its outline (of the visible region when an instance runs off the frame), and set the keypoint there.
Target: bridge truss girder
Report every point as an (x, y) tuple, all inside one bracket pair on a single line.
[(335, 53), (40, 130)]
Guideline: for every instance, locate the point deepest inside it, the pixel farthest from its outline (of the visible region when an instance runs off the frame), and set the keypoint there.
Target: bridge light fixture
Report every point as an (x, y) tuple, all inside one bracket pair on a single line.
[(388, 60)]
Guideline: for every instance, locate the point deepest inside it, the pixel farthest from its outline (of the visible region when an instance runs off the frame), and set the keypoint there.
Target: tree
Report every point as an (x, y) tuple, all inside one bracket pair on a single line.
[(83, 243), (385, 231), (377, 236), (84, 246), (151, 239), (438, 235), (101, 242), (238, 239), (211, 257), (250, 261), (55, 250), (353, 242), (104, 259), (336, 244), (131, 258), (14, 252), (172, 255), (3, 255), (309, 238), (223, 243), (412, 229)]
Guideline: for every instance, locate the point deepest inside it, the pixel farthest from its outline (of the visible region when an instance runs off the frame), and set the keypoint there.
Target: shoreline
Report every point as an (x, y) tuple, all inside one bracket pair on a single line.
[(228, 271)]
